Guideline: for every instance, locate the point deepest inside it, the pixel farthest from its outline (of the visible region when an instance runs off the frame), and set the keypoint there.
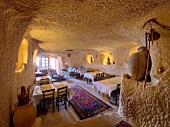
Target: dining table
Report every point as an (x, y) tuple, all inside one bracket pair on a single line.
[(38, 79), (91, 75), (107, 86), (81, 72), (37, 95)]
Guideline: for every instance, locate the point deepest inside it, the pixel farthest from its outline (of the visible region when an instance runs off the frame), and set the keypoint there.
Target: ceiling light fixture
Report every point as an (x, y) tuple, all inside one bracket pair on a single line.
[(69, 50)]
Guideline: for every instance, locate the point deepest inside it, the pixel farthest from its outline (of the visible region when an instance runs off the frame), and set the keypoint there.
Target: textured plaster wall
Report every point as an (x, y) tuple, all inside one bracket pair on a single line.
[(12, 25), (115, 69), (146, 107), (149, 107), (120, 57), (27, 76)]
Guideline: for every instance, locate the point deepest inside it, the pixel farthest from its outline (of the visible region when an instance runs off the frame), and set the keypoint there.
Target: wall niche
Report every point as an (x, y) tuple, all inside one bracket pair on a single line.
[(22, 56), (89, 59), (106, 58)]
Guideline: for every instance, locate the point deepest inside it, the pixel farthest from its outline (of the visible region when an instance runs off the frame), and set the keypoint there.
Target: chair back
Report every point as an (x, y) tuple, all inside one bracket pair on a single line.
[(98, 77), (48, 94), (48, 98), (115, 94), (62, 92), (102, 75), (45, 81), (107, 75)]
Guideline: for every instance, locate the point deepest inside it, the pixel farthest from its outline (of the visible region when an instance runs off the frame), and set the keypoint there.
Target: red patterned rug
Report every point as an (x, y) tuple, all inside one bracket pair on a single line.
[(85, 104), (123, 124)]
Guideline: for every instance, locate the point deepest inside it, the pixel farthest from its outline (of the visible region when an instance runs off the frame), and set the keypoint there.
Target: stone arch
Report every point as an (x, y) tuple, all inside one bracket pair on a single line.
[(22, 55), (35, 55)]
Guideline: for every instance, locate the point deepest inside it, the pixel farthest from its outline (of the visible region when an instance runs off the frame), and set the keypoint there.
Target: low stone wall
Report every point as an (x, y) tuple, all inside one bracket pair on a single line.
[(146, 107)]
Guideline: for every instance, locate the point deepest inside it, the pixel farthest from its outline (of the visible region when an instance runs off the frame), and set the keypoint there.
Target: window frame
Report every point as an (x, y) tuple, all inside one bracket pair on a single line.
[(43, 61)]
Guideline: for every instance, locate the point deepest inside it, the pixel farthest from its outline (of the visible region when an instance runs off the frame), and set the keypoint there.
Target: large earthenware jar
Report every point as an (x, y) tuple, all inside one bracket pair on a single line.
[(137, 64), (24, 116)]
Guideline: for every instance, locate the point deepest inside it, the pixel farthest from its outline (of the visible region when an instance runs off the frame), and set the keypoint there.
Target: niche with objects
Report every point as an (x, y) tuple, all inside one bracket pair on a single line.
[(89, 59), (22, 56), (106, 58)]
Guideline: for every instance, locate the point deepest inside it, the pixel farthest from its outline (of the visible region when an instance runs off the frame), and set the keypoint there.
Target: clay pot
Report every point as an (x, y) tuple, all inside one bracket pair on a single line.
[(24, 116), (137, 65)]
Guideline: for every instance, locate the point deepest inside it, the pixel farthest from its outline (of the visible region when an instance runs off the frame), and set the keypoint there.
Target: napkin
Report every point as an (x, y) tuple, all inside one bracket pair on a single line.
[(58, 85), (38, 90), (45, 87)]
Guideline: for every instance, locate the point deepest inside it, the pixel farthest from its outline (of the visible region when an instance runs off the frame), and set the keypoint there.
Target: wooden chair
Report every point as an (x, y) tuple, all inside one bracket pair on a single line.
[(45, 81), (72, 74), (115, 94), (48, 98), (102, 76), (61, 98), (107, 76), (97, 77), (89, 81)]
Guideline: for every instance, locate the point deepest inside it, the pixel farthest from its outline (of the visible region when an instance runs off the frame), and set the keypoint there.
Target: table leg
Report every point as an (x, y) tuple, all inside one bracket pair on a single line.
[(116, 99)]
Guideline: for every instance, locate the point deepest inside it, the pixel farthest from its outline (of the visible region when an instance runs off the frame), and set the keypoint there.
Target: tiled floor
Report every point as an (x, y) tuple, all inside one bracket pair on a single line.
[(66, 117)]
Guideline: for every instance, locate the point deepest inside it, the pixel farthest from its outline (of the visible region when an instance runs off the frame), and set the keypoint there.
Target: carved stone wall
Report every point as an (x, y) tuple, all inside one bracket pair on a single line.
[(12, 25), (146, 107), (120, 57), (26, 76)]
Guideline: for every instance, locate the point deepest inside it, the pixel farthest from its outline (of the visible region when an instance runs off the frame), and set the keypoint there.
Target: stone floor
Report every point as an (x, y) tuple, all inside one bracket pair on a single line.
[(68, 118)]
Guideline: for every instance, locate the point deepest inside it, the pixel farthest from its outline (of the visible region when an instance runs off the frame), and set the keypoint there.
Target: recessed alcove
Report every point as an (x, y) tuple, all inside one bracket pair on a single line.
[(106, 58), (22, 56), (89, 59)]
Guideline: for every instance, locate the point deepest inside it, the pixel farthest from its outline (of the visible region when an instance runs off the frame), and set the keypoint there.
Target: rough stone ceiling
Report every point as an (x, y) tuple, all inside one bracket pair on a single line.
[(84, 24)]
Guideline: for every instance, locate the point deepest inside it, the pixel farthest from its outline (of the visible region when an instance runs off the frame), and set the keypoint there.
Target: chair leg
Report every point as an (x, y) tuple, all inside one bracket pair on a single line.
[(65, 103), (68, 103), (53, 105), (116, 99), (109, 100), (58, 106), (44, 108), (38, 109)]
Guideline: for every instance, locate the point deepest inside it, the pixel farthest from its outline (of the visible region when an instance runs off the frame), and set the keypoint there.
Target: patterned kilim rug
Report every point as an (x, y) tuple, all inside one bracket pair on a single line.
[(123, 124), (85, 104)]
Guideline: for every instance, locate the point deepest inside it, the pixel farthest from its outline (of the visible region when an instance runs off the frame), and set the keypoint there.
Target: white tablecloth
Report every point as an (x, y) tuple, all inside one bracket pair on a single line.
[(37, 95), (108, 85), (91, 75), (81, 72), (38, 79)]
